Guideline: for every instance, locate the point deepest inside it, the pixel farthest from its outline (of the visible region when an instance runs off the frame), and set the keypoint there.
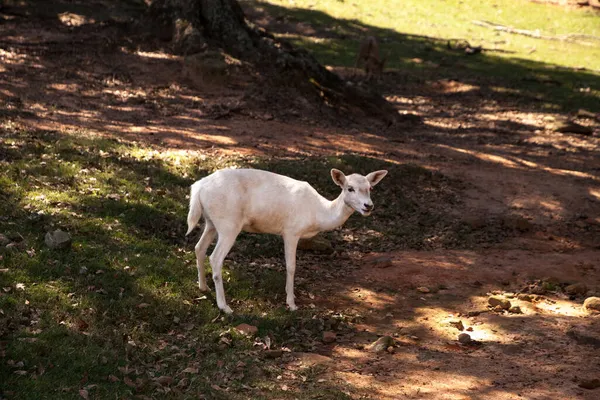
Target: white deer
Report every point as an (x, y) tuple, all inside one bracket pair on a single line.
[(233, 200)]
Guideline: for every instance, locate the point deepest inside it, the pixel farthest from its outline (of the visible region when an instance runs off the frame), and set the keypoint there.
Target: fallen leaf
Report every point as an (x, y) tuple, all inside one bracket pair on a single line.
[(190, 370), (128, 382), (84, 393), (164, 380)]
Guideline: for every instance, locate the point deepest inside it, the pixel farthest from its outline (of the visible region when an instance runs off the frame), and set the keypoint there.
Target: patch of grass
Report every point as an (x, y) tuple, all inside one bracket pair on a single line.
[(415, 35)]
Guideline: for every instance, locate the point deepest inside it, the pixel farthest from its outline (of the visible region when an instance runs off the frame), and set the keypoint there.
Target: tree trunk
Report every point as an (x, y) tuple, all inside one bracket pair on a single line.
[(223, 24)]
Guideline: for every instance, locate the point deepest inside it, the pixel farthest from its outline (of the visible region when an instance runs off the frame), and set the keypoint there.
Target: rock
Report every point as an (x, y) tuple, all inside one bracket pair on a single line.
[(515, 310), (423, 289), (58, 239), (246, 329), (590, 384), (577, 289), (329, 337), (316, 244), (464, 338), (381, 344), (495, 301), (525, 297), (83, 270), (474, 313), (592, 304), (457, 324), (4, 240)]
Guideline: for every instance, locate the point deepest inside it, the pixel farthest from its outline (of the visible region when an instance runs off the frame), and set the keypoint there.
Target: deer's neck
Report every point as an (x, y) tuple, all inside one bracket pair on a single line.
[(334, 214)]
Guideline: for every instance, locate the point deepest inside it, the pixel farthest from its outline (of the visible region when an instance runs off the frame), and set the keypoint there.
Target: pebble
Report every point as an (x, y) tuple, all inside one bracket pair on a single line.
[(423, 289), (592, 304), (246, 329), (515, 310), (58, 239), (577, 289), (525, 297), (381, 344), (464, 338), (498, 301)]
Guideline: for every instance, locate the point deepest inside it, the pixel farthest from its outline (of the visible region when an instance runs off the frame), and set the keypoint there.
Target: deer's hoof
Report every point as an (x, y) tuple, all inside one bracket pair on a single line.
[(227, 310)]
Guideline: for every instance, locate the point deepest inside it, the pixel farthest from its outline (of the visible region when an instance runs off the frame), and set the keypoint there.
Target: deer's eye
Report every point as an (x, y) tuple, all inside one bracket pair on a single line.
[(350, 189)]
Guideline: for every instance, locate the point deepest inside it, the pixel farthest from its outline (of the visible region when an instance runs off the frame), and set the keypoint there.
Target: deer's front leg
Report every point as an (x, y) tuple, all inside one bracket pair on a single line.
[(290, 244)]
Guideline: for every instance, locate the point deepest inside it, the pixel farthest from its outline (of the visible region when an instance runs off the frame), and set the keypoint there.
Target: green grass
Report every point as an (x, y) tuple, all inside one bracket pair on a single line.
[(554, 75)]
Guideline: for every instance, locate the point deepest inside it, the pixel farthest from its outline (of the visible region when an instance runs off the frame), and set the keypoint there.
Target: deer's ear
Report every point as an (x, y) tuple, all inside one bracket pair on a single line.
[(338, 177), (375, 177)]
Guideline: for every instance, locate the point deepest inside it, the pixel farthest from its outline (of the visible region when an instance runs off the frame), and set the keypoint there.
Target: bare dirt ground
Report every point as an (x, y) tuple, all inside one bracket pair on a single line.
[(60, 77)]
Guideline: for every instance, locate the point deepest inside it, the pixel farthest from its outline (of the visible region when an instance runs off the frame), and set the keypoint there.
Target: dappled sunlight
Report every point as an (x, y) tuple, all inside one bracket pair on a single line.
[(104, 131)]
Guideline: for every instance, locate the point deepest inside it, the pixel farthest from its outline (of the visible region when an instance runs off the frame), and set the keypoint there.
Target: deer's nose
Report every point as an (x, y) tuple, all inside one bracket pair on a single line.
[(368, 207)]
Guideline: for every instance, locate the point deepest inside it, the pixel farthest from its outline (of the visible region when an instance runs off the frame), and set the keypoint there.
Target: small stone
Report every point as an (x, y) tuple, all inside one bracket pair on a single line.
[(470, 329), (592, 304), (391, 350), (464, 338), (515, 310), (381, 344), (316, 244), (83, 270), (590, 384), (457, 324), (423, 289), (474, 313), (246, 329), (329, 337), (58, 239), (495, 301), (525, 297), (577, 289)]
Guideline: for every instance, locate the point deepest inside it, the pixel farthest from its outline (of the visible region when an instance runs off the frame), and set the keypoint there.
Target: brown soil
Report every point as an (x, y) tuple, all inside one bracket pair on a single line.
[(66, 78)]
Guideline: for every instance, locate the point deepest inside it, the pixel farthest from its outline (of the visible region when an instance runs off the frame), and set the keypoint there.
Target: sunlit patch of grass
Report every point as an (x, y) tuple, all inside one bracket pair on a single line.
[(417, 39)]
